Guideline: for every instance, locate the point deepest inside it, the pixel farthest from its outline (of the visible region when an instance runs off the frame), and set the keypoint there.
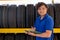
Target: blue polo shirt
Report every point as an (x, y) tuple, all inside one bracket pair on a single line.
[(46, 23)]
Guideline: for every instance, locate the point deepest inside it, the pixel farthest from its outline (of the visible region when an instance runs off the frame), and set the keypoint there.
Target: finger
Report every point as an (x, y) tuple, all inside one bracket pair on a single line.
[(26, 32)]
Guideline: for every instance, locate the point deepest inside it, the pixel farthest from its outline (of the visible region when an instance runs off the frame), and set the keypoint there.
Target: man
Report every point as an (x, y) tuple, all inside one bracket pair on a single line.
[(44, 23)]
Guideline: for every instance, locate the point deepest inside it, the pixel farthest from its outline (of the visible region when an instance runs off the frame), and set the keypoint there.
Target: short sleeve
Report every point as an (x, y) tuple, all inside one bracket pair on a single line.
[(49, 24)]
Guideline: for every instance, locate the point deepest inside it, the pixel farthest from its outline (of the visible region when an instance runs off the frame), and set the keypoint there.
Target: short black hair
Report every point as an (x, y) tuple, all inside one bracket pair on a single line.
[(39, 4)]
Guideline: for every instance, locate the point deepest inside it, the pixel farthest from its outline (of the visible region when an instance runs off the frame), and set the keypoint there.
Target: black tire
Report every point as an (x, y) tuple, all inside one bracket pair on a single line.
[(1, 36), (21, 16), (9, 36), (57, 15), (12, 16), (51, 10), (1, 15), (5, 21), (29, 15), (28, 37), (20, 37)]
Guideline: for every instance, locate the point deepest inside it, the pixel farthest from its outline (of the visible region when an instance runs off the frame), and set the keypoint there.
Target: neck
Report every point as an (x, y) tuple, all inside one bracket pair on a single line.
[(42, 17)]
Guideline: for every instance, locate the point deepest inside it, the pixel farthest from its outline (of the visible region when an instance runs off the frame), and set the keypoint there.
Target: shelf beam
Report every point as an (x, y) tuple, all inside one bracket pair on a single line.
[(22, 30)]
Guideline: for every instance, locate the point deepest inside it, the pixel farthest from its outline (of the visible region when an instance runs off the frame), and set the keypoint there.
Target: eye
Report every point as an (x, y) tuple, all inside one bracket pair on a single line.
[(39, 9), (43, 8)]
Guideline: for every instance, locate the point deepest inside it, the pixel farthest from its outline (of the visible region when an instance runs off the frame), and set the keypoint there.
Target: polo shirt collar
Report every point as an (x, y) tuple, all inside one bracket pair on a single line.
[(44, 16)]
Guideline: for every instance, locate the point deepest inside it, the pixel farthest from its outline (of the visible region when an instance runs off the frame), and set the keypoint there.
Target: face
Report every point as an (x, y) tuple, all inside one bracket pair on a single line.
[(42, 10)]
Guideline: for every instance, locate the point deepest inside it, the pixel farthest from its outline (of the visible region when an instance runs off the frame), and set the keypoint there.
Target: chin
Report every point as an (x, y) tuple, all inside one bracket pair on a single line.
[(42, 14)]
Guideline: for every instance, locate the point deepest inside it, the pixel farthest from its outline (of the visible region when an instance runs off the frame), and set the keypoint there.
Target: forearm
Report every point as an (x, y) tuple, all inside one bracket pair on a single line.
[(45, 35)]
